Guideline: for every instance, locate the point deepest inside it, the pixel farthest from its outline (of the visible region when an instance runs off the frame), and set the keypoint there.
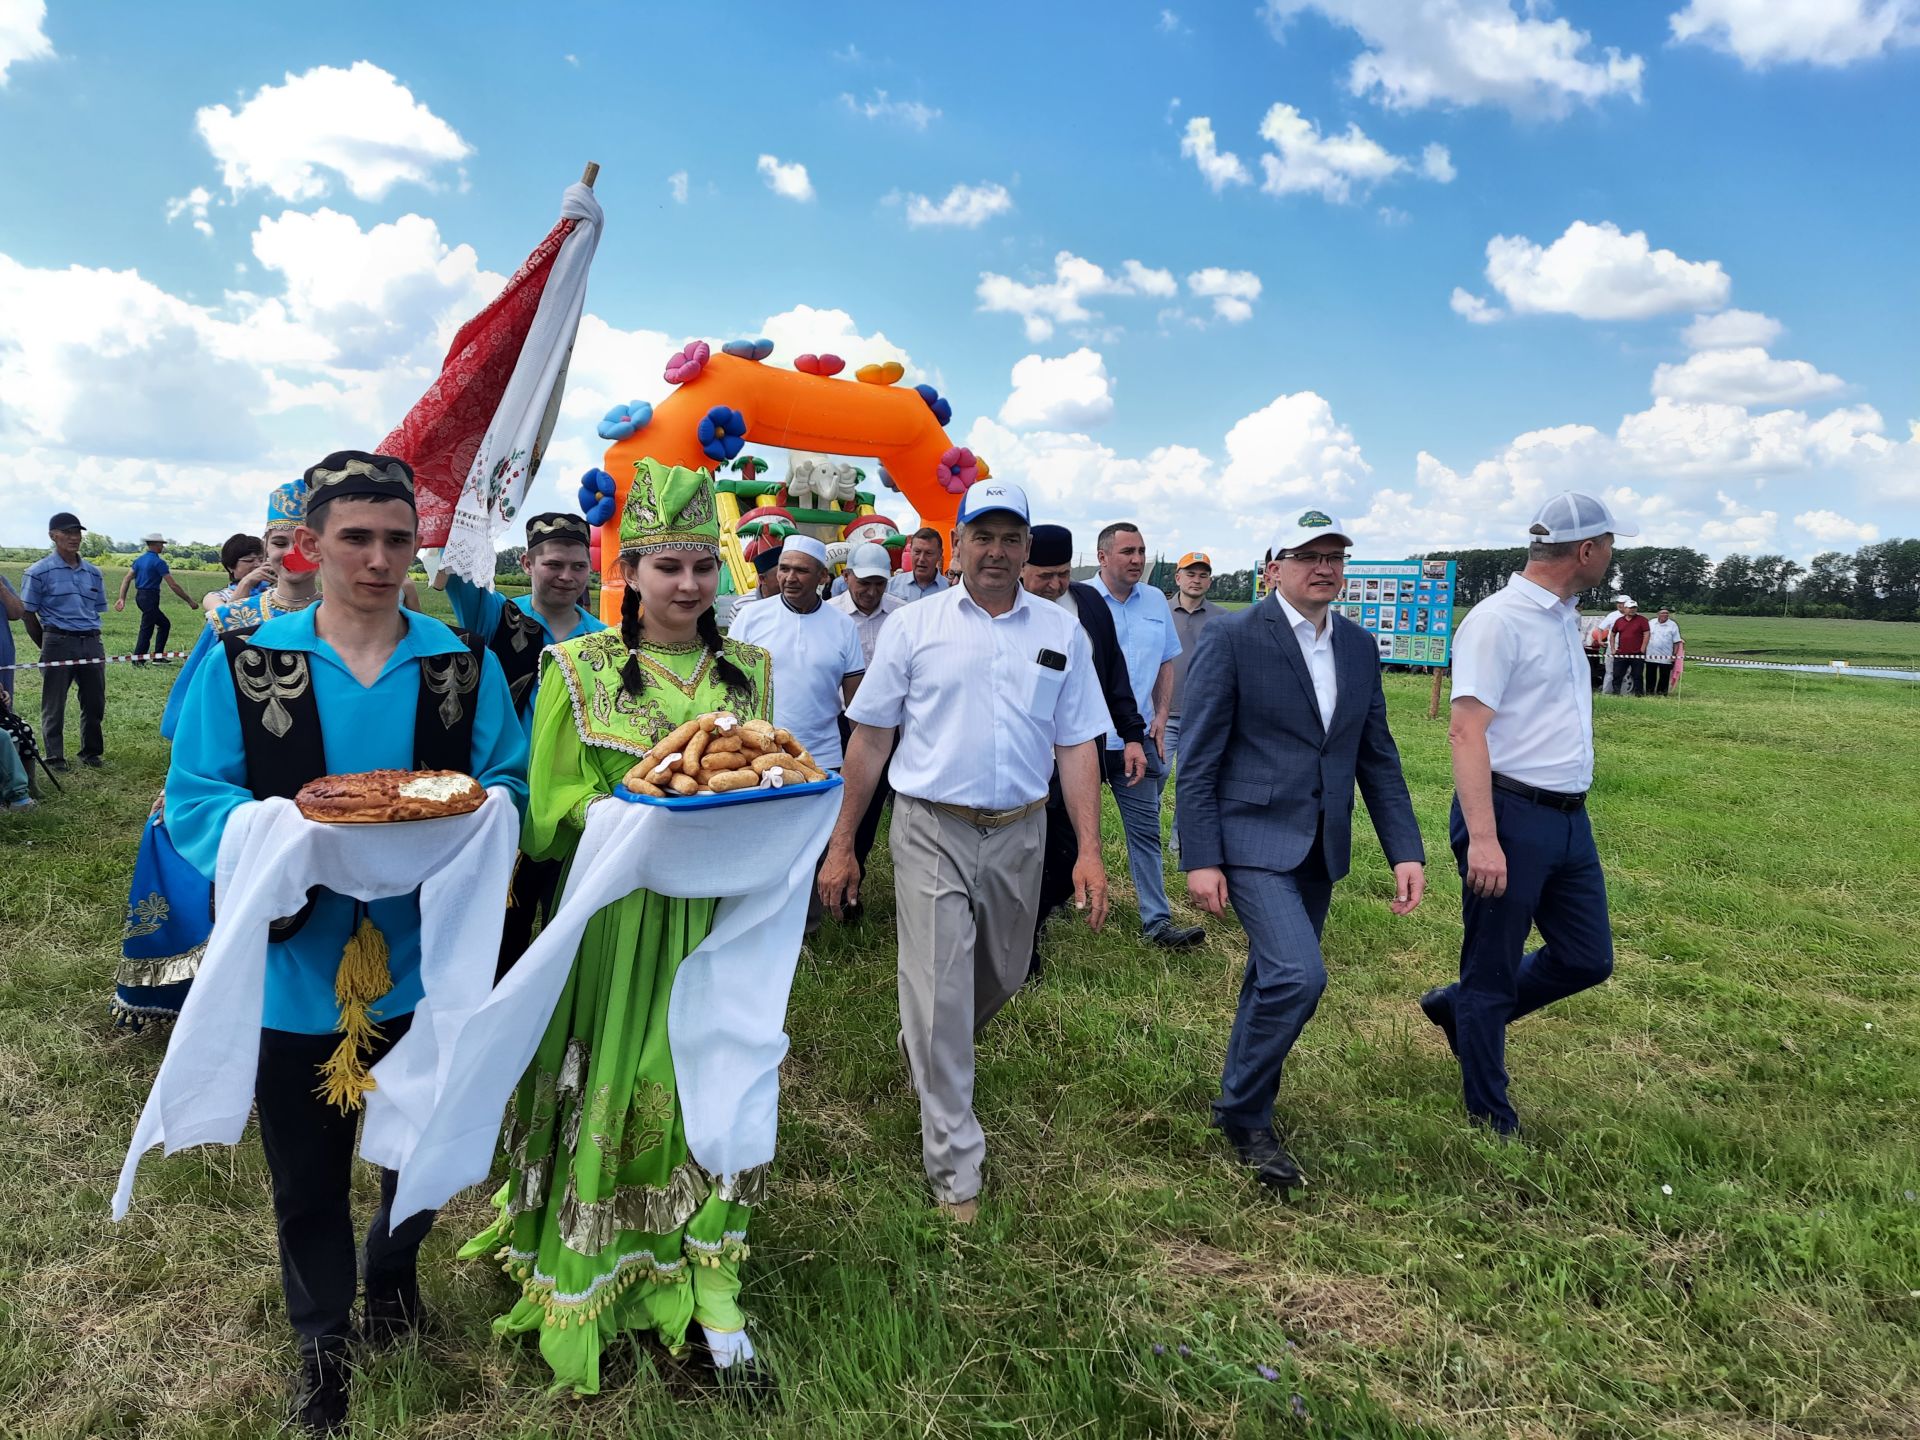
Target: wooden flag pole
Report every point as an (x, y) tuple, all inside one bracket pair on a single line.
[(1433, 701), (591, 174)]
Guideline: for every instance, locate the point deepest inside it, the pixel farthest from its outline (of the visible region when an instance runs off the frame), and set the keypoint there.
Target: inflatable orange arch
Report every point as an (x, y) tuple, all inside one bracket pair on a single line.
[(795, 410)]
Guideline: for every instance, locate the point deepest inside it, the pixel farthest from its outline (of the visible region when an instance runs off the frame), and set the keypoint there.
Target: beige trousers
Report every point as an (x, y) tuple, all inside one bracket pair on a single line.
[(965, 901)]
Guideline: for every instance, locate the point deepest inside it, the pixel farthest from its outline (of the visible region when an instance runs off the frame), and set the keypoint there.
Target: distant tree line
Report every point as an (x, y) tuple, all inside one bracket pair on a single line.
[(1876, 582)]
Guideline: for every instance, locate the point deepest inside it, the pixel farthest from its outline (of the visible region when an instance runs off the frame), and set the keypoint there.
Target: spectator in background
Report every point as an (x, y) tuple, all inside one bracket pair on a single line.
[(1663, 642), (1630, 650), (145, 575), (1192, 612), (244, 558), (65, 597), (766, 566), (1610, 677), (10, 610), (922, 576), (1144, 623)]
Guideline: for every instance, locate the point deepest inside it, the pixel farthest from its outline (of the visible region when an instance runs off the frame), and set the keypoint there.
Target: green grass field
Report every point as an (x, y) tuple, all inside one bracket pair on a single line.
[(1713, 1231)]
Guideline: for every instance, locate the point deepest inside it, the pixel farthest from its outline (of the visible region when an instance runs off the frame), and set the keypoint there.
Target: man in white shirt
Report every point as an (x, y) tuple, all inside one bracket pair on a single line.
[(1149, 642), (1522, 742), (817, 659), (1285, 717), (1663, 642), (866, 602), (922, 576), (986, 689)]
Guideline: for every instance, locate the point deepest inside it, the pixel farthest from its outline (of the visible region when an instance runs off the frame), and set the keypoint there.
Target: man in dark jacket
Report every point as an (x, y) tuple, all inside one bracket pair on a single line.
[(1048, 575)]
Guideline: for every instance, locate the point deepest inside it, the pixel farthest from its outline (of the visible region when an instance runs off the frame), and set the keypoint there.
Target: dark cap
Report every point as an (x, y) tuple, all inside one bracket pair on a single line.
[(1050, 545), (558, 525), (766, 560), (350, 474), (65, 520)]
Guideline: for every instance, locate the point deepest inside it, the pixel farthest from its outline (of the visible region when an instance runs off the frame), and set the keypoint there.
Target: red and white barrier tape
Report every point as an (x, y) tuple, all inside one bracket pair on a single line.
[(101, 660)]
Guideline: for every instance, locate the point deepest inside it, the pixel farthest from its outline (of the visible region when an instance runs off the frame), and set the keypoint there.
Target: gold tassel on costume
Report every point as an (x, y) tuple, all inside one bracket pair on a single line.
[(363, 977)]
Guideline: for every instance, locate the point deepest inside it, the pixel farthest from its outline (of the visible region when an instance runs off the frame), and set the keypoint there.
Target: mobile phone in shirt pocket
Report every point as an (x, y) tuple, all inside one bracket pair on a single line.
[(1043, 687)]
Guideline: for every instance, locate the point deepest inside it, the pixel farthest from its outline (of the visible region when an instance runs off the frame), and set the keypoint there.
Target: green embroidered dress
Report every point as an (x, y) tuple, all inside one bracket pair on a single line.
[(607, 1222)]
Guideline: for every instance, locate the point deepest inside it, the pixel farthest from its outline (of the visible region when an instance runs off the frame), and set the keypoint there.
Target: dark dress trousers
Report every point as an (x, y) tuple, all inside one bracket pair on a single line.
[(1265, 793)]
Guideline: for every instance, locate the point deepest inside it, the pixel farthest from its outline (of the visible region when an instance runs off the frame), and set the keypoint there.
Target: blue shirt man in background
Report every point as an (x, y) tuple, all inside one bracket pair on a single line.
[(64, 597), (145, 575), (374, 679), (1144, 622)]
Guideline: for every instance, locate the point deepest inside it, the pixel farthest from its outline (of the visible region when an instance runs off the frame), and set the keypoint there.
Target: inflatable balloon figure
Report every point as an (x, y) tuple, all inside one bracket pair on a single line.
[(727, 397)]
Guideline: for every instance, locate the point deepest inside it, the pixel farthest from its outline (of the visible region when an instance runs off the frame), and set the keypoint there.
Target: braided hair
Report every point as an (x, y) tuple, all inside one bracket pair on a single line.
[(633, 679)]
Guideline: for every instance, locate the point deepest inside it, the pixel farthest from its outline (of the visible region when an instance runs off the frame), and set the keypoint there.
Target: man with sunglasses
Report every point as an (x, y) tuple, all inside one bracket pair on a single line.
[(1283, 715)]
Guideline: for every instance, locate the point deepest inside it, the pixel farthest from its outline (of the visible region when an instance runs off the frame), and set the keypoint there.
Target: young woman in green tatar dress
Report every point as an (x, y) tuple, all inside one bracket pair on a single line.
[(607, 1222)]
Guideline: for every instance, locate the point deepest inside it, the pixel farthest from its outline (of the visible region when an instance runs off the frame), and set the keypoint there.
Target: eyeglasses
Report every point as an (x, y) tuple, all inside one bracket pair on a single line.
[(1332, 559)]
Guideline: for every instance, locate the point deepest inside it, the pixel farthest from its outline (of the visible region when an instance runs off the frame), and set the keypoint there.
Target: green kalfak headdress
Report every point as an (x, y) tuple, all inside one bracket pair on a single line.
[(669, 508)]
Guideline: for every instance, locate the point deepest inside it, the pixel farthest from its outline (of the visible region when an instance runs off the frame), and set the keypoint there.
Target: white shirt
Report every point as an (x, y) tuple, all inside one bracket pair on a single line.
[(1518, 652), (1317, 651), (978, 715), (1662, 636), (867, 625), (909, 589), (812, 654)]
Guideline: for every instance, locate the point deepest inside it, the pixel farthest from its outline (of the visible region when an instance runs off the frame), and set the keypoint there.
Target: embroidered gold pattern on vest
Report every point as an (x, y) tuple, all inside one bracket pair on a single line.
[(270, 676), (450, 677)]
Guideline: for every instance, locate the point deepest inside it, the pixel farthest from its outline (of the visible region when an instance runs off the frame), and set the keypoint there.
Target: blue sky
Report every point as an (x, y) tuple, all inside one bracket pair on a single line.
[(1419, 264)]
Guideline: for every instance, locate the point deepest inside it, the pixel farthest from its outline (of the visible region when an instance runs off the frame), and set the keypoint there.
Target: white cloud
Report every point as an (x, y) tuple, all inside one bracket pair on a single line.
[(1598, 273), (1232, 291), (1169, 23), (1067, 393), (1746, 376), (788, 179), (1220, 168), (966, 206), (573, 60), (1731, 330), (677, 184), (23, 34), (360, 123), (1330, 166), (1436, 163), (1474, 308), (804, 329), (1062, 300), (910, 113), (1293, 448), (1472, 52), (193, 205), (1833, 529), (1763, 33)]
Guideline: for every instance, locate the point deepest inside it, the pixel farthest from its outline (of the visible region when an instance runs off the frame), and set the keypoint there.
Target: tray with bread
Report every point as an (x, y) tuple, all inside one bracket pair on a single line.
[(386, 797), (719, 759)]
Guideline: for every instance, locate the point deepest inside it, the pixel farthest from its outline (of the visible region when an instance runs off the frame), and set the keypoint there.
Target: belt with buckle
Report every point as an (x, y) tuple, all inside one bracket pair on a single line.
[(1552, 799), (989, 819)]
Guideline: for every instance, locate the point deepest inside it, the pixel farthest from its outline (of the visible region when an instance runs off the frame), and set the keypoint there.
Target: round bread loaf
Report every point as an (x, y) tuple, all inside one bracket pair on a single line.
[(381, 797)]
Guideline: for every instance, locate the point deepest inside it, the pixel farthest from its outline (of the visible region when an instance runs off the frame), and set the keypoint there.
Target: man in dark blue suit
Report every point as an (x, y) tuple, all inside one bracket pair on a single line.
[(1283, 714)]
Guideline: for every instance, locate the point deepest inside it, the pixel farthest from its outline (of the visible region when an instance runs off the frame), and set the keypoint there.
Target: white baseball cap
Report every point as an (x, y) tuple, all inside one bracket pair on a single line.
[(1571, 516), (870, 562), (987, 496), (806, 545), (1307, 526)]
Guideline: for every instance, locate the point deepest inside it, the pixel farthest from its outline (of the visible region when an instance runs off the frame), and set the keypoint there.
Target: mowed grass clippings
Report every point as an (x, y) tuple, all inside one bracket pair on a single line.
[(1714, 1229)]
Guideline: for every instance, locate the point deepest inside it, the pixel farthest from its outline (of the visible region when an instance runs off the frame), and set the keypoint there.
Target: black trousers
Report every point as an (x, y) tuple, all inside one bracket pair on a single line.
[(154, 624), (309, 1146), (89, 680), (529, 898), (869, 828), (1632, 670), (1057, 860), (1659, 676)]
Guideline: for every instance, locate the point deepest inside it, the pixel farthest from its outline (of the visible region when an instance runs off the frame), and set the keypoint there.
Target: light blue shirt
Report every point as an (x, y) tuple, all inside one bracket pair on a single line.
[(1148, 640), (363, 727), (908, 588), (65, 597), (477, 612)]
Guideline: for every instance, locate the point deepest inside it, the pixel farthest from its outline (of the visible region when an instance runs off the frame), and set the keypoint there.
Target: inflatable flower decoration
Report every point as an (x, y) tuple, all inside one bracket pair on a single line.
[(755, 350), (622, 420), (957, 470), (688, 363), (596, 497), (942, 411), (723, 432)]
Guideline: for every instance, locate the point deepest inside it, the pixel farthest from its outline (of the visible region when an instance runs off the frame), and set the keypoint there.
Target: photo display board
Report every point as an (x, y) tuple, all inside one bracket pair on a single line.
[(1406, 605)]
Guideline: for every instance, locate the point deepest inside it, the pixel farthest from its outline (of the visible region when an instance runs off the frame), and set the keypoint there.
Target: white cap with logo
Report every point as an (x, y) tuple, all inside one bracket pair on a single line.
[(1571, 516), (870, 562), (1308, 526), (987, 496)]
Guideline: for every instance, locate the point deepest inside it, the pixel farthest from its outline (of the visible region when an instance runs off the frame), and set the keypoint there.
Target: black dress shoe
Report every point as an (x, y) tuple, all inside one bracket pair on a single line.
[(320, 1394), (92, 762), (1261, 1151), (392, 1318), (58, 766), (1437, 1006), (1170, 936)]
